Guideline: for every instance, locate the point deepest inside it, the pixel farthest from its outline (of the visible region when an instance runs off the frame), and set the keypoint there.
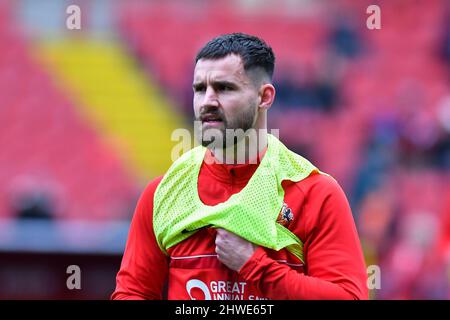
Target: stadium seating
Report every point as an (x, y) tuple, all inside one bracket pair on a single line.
[(47, 146), (82, 121)]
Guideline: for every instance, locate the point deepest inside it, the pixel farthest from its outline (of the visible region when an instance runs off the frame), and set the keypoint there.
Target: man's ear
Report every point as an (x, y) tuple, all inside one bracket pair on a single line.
[(267, 96)]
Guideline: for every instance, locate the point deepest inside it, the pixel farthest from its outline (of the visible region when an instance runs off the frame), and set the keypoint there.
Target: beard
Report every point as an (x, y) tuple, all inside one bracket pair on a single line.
[(228, 133)]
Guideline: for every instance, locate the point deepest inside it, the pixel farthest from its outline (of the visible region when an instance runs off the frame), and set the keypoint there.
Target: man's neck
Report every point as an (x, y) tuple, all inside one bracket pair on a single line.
[(248, 150)]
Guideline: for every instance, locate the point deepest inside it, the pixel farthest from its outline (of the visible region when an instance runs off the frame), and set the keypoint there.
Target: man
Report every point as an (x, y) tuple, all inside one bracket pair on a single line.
[(273, 227)]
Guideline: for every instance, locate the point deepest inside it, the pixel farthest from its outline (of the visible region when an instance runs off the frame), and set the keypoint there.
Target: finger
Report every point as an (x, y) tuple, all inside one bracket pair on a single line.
[(219, 240), (220, 232), (223, 232), (220, 255), (222, 259)]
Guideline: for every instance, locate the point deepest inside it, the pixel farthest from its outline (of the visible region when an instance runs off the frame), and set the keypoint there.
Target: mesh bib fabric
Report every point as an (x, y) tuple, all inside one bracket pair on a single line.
[(178, 211)]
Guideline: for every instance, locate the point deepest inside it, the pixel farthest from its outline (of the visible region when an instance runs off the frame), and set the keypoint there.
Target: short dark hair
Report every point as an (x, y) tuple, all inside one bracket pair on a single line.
[(255, 53)]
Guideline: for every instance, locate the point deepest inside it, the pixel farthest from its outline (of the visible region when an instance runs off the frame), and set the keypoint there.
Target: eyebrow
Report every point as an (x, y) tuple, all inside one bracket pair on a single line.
[(216, 83)]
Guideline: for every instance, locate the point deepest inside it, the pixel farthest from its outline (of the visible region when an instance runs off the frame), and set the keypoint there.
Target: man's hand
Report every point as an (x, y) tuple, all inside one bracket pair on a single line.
[(232, 250)]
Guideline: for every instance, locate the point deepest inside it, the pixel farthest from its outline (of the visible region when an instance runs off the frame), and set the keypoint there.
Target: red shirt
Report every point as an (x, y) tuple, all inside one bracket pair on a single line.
[(334, 265)]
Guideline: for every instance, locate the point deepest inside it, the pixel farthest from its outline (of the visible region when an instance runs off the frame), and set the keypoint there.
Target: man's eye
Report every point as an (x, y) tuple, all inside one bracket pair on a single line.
[(225, 88), (199, 89)]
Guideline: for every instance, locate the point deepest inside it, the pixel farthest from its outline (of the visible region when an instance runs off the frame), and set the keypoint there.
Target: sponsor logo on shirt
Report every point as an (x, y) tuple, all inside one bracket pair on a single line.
[(218, 290)]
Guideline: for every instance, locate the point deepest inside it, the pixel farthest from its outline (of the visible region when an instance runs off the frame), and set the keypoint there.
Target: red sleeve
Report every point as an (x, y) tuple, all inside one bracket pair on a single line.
[(335, 267), (144, 267)]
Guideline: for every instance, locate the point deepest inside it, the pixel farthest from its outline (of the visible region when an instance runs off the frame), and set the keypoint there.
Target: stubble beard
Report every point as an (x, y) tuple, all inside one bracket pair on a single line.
[(231, 132)]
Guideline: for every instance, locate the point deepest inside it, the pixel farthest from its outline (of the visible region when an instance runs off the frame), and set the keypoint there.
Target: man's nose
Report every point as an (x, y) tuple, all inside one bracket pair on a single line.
[(210, 98)]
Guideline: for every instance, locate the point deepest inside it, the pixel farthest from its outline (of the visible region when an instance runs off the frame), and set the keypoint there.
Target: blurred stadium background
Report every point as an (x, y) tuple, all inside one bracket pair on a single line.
[(86, 118)]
